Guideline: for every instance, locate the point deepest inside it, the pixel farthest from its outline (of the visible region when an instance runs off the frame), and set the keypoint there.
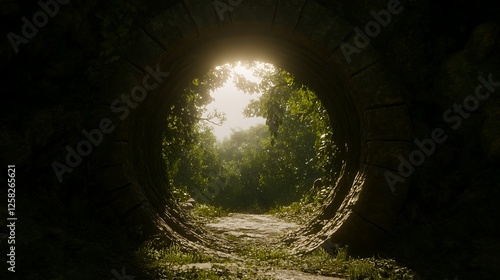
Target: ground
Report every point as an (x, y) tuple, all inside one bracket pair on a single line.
[(250, 231), (251, 247)]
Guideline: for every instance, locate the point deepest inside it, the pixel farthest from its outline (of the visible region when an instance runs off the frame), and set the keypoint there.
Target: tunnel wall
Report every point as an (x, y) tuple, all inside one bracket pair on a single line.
[(366, 105), (394, 91)]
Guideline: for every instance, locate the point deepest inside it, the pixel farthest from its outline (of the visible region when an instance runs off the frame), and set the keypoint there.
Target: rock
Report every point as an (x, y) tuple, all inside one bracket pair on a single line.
[(192, 201), (187, 206)]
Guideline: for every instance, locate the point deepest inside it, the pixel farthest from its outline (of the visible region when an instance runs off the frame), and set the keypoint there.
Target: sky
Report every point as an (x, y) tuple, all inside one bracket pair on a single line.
[(231, 101)]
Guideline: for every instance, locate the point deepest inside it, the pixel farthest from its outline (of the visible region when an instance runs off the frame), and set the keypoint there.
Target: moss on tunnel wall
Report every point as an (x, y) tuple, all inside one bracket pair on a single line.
[(64, 80)]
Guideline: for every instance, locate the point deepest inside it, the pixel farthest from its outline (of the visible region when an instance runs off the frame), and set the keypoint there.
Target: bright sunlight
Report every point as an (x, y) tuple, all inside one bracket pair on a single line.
[(231, 101)]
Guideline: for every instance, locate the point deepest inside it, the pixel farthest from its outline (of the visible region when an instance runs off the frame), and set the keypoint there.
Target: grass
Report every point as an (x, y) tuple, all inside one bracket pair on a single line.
[(303, 210), (172, 262), (213, 273), (232, 238), (320, 262), (170, 256), (205, 213)]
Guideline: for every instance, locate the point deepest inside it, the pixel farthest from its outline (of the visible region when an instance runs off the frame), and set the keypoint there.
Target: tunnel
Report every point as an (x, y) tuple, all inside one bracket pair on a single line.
[(87, 102)]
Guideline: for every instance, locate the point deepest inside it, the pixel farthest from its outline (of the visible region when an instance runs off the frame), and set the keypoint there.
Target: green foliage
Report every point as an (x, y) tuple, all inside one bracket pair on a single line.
[(259, 168), (171, 262), (188, 146), (268, 255), (192, 165), (169, 256), (300, 212), (214, 273), (252, 259), (181, 194), (208, 213), (304, 210), (279, 169), (341, 264)]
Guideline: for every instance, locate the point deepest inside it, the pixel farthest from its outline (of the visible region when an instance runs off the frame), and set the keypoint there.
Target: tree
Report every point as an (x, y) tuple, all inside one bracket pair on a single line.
[(288, 105), (260, 167)]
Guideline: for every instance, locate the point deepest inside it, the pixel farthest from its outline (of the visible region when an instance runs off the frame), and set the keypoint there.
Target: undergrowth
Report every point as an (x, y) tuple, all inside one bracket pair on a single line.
[(171, 262), (340, 264), (303, 210), (205, 213)]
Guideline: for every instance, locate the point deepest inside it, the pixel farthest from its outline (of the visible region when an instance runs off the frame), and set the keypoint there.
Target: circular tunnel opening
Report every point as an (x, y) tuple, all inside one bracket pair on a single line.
[(115, 66), (330, 86), (358, 210), (273, 161), (370, 124)]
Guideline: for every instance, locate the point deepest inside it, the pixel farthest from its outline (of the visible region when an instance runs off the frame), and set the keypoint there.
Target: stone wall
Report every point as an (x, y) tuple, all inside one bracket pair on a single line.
[(381, 96)]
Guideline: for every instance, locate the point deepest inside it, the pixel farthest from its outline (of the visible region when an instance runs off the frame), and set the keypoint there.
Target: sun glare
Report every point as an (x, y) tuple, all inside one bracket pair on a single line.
[(229, 100)]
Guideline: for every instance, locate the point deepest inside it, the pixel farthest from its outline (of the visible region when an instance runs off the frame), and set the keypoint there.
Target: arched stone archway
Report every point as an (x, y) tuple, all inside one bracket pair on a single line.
[(65, 78), (366, 105)]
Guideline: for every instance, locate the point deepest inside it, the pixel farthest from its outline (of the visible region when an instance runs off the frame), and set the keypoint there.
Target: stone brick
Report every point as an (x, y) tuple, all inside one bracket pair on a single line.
[(111, 178), (172, 26), (204, 14), (385, 153), (310, 17), (390, 123), (373, 87), (331, 30), (359, 61), (117, 78), (288, 15), (145, 51), (257, 12)]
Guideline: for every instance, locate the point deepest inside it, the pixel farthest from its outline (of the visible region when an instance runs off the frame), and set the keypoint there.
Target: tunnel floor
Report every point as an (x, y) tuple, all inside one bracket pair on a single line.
[(257, 231), (254, 249)]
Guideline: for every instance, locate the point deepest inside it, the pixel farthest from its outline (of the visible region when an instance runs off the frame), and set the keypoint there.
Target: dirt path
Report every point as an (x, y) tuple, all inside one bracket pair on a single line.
[(260, 231), (264, 229)]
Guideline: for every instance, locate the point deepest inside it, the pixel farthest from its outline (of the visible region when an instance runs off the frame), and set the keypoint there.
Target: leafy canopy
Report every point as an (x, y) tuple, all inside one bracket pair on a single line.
[(258, 168)]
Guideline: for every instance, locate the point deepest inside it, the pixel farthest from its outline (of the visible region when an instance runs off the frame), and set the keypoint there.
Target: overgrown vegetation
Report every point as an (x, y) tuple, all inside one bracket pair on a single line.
[(322, 263), (207, 213), (255, 169), (173, 263), (303, 210)]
